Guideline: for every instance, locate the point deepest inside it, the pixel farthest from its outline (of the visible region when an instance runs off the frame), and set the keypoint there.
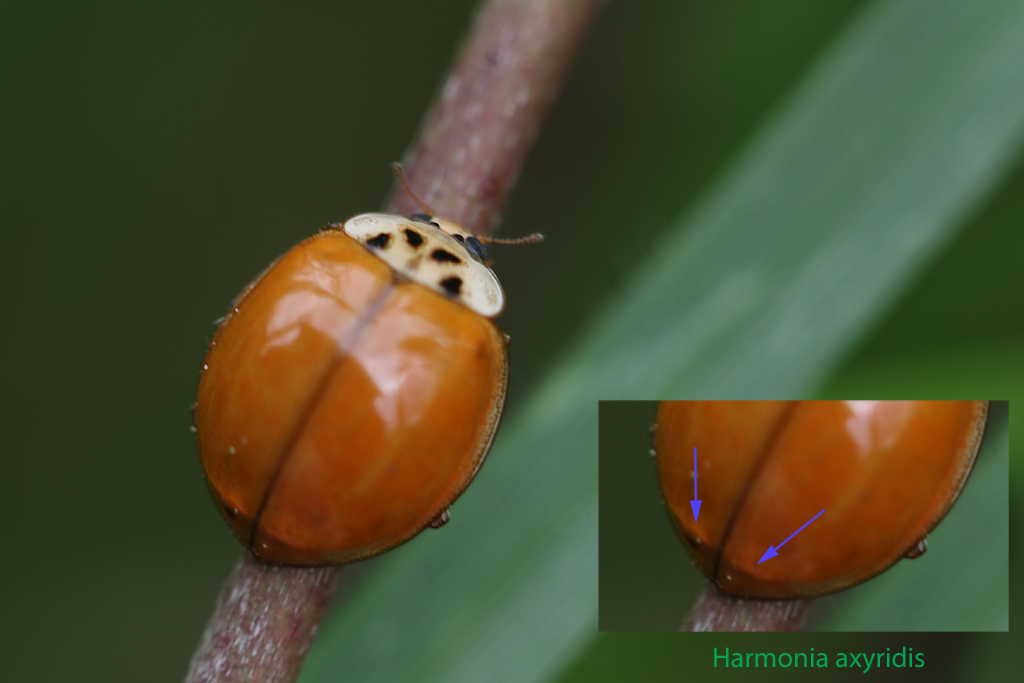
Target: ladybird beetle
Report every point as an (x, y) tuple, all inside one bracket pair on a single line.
[(354, 388), (884, 472)]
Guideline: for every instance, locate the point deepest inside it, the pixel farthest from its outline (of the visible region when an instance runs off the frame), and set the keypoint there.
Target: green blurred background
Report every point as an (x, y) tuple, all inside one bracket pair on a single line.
[(156, 156)]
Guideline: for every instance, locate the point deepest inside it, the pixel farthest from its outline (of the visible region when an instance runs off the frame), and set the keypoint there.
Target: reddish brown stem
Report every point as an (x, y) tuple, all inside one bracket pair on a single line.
[(465, 162), (264, 622), (716, 611), (476, 135)]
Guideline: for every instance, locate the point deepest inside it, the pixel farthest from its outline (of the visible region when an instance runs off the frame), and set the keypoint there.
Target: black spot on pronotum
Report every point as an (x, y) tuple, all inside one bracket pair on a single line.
[(380, 241), (459, 239), (452, 285), (413, 238), (476, 247), (424, 218), (445, 256)]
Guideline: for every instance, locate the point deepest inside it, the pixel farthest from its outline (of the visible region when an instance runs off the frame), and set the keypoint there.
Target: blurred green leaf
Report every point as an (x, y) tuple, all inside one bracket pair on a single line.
[(903, 126)]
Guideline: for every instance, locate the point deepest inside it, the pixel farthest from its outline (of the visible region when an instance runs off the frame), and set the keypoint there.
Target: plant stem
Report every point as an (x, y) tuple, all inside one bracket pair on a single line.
[(475, 137), (264, 622), (716, 611), (465, 162)]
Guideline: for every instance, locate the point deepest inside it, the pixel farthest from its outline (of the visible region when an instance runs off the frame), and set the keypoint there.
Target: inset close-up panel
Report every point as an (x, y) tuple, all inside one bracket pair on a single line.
[(874, 504)]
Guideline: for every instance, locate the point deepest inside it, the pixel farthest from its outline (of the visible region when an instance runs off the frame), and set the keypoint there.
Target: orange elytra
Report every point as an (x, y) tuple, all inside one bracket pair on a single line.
[(354, 389), (885, 472)]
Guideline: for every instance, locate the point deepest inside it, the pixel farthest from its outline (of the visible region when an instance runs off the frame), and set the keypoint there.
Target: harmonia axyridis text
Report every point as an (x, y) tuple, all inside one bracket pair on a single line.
[(884, 472), (354, 389)]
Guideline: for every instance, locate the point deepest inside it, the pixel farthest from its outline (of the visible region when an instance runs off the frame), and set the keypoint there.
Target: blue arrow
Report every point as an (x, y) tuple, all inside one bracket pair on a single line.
[(695, 504), (771, 552)]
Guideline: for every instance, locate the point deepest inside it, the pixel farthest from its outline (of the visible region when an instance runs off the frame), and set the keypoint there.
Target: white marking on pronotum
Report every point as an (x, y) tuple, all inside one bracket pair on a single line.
[(432, 253)]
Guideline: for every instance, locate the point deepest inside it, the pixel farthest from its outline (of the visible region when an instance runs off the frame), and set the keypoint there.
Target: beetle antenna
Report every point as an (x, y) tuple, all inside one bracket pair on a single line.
[(529, 239), (397, 168)]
